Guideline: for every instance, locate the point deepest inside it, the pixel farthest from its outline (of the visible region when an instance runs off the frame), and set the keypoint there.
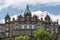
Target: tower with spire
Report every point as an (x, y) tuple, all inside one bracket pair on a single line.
[(27, 11), (47, 18), (7, 18)]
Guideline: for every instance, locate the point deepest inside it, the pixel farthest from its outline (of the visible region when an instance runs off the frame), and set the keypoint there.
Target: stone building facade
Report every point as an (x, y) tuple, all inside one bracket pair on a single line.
[(26, 25)]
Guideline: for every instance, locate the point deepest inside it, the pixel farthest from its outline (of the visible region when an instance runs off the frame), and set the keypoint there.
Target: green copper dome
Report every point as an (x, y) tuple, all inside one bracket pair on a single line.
[(27, 11)]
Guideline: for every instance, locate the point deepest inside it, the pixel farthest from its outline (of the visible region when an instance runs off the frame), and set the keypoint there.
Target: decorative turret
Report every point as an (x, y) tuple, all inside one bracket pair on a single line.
[(42, 17), (27, 14), (13, 19), (27, 11), (19, 17), (7, 18), (47, 18)]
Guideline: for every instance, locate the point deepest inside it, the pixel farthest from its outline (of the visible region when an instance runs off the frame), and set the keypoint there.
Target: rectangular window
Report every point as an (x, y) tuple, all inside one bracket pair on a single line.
[(38, 26), (52, 30), (47, 29), (7, 29), (56, 30), (22, 26), (27, 26), (32, 26), (7, 34), (16, 25)]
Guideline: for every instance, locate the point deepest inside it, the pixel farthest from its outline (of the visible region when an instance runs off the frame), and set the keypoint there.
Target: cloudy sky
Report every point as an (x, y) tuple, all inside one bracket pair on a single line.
[(37, 7)]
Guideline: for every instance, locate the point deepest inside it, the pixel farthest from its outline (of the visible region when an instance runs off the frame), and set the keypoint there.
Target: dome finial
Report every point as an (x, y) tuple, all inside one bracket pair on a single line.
[(27, 7), (27, 11), (7, 15)]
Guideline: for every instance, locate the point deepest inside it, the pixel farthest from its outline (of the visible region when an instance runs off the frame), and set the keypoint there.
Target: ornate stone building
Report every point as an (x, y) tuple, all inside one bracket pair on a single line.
[(26, 25)]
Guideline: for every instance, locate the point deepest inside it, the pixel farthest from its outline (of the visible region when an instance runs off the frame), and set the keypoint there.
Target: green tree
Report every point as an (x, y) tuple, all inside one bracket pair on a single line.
[(42, 34), (22, 38), (26, 38), (0, 38), (19, 38), (10, 39)]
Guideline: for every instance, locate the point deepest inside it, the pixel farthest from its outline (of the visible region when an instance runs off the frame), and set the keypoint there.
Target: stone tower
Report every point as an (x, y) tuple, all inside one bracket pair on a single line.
[(7, 18)]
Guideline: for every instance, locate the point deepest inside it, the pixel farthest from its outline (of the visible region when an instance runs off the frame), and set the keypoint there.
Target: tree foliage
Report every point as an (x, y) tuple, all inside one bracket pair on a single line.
[(42, 34), (22, 38)]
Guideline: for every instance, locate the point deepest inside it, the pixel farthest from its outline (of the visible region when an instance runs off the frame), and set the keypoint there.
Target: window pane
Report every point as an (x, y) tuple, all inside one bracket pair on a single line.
[(7, 29), (56, 30), (38, 26), (22, 26), (27, 26), (52, 29), (16, 25), (32, 26), (47, 28), (7, 20), (7, 34)]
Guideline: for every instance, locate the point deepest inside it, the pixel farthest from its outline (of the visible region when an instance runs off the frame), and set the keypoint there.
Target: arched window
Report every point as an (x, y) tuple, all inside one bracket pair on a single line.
[(32, 26), (7, 34), (27, 26), (7, 20), (22, 26)]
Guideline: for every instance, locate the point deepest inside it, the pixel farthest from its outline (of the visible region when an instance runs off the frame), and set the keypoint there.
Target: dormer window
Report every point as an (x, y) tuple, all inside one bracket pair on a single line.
[(51, 23), (55, 23)]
